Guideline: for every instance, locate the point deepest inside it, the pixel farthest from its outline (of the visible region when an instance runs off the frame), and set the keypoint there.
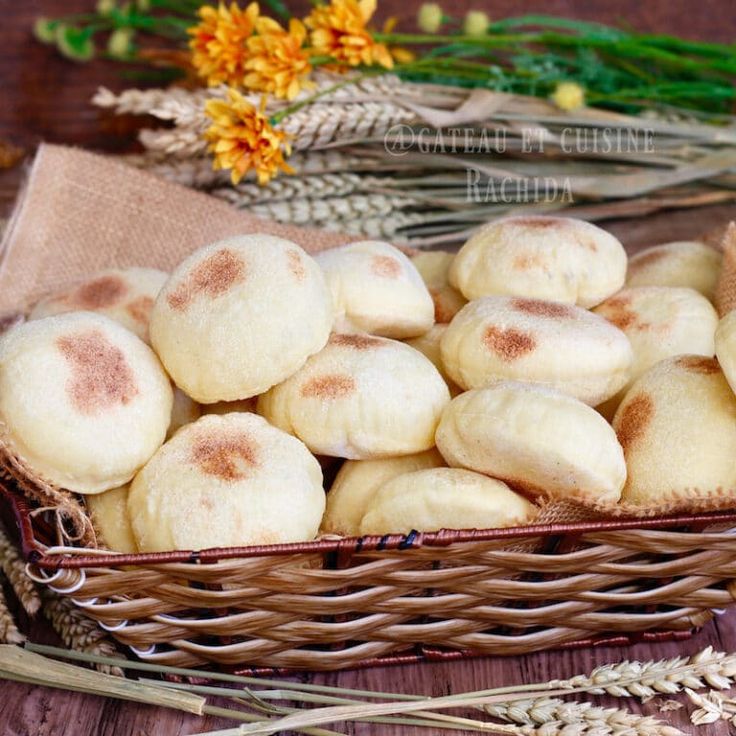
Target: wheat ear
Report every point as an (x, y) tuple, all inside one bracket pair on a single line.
[(15, 571)]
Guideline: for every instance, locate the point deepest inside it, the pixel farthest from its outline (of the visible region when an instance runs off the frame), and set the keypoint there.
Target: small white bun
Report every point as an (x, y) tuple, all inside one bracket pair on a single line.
[(428, 345), (109, 514), (361, 397), (227, 481), (660, 322), (556, 258), (239, 316), (444, 498), (726, 348), (553, 344), (537, 440), (434, 268), (376, 289), (84, 403), (683, 263), (185, 411), (126, 295), (357, 481), (677, 425)]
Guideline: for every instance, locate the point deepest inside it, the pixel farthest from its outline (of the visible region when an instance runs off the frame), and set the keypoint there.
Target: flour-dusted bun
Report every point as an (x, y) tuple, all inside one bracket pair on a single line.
[(428, 345), (227, 481), (434, 268), (184, 411), (660, 322), (683, 263), (84, 403), (361, 397), (535, 439), (358, 480), (554, 344), (726, 348), (542, 257), (109, 514), (444, 498), (376, 289), (677, 425), (239, 316), (126, 295)]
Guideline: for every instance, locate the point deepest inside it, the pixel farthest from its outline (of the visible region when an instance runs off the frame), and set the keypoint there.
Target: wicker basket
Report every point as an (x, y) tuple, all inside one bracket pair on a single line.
[(330, 605)]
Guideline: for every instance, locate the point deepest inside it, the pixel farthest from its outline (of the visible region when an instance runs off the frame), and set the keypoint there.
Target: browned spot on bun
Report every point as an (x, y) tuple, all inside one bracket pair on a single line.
[(617, 310), (99, 293), (386, 266), (359, 342), (634, 419), (524, 487), (508, 344), (140, 309), (442, 314), (296, 265), (226, 456), (698, 364), (524, 261), (100, 375), (541, 308), (646, 258), (211, 278), (539, 222), (330, 386)]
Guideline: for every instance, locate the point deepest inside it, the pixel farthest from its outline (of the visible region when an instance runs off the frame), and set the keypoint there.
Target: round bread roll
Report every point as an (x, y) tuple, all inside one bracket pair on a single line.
[(686, 263), (428, 345), (677, 425), (126, 295), (660, 322), (227, 481), (84, 403), (434, 268), (376, 289), (550, 343), (357, 481), (726, 348), (555, 258), (184, 411), (444, 498), (536, 439), (361, 397), (109, 514), (239, 316)]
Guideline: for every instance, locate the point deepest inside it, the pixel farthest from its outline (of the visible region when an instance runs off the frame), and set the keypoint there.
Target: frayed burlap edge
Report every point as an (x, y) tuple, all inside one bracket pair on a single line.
[(726, 288)]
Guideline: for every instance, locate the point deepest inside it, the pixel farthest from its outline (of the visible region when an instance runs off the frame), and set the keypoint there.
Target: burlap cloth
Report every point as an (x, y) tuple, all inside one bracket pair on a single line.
[(79, 212)]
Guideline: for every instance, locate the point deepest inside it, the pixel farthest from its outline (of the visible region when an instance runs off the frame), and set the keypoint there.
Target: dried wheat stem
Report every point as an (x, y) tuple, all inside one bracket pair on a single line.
[(77, 631), (196, 172), (180, 142), (9, 633), (15, 571)]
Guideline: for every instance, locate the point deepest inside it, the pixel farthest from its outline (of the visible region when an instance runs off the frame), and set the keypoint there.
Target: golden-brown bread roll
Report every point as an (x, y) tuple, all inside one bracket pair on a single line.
[(536, 439), (109, 514), (428, 345), (434, 268), (541, 257)]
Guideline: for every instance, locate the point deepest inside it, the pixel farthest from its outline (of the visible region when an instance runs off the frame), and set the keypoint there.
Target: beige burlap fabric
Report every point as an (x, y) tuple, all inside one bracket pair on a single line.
[(726, 289), (80, 212)]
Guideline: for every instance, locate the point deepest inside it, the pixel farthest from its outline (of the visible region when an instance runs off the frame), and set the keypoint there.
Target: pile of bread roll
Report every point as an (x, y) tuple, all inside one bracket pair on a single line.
[(194, 409)]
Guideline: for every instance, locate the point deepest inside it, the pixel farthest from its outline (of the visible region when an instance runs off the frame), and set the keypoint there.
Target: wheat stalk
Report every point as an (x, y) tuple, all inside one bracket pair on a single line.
[(180, 142), (195, 172), (15, 571), (77, 631), (9, 633)]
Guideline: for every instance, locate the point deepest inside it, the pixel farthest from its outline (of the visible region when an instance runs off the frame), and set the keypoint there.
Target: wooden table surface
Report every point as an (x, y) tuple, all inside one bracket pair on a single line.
[(44, 97)]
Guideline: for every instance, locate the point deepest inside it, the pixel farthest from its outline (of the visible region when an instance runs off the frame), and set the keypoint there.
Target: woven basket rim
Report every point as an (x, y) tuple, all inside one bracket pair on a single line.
[(39, 554)]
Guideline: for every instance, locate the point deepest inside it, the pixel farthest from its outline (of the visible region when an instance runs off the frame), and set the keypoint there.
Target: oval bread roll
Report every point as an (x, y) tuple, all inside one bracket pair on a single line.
[(83, 402), (428, 345), (677, 425), (109, 514), (444, 498), (361, 397), (126, 295), (557, 345), (535, 439), (660, 322), (376, 289), (434, 268), (227, 481), (683, 263), (726, 348), (358, 480), (541, 257), (239, 316)]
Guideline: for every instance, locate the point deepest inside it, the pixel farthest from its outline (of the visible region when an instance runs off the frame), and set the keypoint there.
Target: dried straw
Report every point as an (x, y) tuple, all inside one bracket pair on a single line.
[(15, 571)]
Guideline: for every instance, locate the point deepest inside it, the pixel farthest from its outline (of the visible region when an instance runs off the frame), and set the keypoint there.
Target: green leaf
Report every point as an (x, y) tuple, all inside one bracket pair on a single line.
[(75, 43), (44, 29)]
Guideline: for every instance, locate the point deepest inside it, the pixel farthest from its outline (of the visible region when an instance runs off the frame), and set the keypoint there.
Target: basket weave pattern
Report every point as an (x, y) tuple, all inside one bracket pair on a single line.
[(338, 604)]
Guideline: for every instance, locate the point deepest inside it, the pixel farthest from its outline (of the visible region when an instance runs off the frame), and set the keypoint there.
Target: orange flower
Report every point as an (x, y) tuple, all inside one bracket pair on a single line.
[(276, 62), (242, 139), (339, 30), (218, 43), (398, 53)]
